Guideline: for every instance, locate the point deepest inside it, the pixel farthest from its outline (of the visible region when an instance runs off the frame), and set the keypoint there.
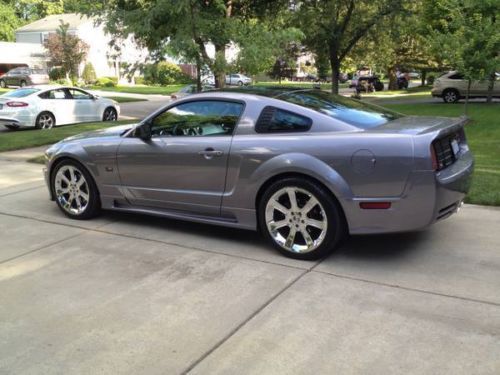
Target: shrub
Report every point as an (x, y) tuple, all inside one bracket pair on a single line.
[(56, 74), (88, 74), (105, 82), (164, 73), (139, 80), (113, 79), (431, 79)]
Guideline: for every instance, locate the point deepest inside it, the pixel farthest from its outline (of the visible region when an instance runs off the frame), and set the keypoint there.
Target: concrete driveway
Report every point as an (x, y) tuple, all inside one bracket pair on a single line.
[(128, 294)]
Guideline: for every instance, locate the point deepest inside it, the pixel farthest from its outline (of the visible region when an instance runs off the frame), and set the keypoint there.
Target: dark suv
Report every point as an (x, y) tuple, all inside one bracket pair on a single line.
[(23, 76)]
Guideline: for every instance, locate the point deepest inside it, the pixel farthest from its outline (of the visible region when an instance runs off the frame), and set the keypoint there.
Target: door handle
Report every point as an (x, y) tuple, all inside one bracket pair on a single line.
[(209, 153)]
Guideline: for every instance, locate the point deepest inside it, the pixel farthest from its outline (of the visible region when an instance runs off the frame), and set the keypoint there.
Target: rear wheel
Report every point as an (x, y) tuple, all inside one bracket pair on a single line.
[(300, 218), (2, 84), (45, 120), (450, 96), (110, 114), (75, 190)]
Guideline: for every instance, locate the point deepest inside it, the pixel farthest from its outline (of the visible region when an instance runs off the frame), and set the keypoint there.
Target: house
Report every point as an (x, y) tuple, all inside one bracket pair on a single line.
[(106, 53), (13, 55)]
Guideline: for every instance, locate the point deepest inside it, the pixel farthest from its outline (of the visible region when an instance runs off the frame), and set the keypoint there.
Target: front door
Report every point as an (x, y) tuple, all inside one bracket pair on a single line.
[(183, 166), (85, 107)]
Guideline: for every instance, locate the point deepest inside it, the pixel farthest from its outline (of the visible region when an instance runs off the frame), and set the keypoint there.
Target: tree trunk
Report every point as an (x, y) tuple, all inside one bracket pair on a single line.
[(219, 66), (198, 74), (335, 65), (466, 105), (393, 80), (423, 76), (491, 84)]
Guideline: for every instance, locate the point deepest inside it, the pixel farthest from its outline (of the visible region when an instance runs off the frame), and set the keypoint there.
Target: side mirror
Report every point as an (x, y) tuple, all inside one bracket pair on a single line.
[(144, 131)]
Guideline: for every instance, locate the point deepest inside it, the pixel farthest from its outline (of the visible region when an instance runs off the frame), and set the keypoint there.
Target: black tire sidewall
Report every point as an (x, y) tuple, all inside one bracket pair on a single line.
[(333, 211), (94, 205), (457, 96), (3, 84), (109, 109)]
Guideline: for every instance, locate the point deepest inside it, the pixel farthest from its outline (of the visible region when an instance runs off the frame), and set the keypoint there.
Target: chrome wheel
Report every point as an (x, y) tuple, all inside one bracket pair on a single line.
[(72, 190), (296, 220), (450, 96), (109, 115), (45, 121)]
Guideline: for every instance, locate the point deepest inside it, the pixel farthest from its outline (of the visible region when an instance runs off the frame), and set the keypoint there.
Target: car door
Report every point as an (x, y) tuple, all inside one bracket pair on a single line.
[(11, 78), (86, 107), (183, 166), (58, 102)]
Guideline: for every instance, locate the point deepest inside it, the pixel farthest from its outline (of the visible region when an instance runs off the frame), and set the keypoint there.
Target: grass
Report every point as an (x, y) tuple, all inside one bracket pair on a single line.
[(3, 90), (37, 159), (125, 99), (483, 137), (142, 89), (412, 92), (16, 140)]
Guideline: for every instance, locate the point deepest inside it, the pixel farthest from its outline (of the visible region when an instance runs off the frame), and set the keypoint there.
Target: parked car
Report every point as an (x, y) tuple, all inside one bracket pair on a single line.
[(24, 76), (452, 87), (208, 80), (4, 68), (304, 166), (188, 90), (44, 107), (238, 80), (368, 84)]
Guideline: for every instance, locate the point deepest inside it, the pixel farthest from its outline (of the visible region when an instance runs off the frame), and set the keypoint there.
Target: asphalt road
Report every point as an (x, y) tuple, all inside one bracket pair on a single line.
[(127, 294)]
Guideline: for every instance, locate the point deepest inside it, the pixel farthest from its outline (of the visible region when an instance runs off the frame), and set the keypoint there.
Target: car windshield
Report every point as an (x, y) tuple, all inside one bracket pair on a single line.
[(353, 112), (20, 93)]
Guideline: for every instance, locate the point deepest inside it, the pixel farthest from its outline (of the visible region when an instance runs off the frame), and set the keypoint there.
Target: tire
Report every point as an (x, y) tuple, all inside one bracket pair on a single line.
[(2, 84), (77, 197), (45, 120), (379, 86), (240, 83), (451, 96), (110, 114), (23, 83), (314, 205)]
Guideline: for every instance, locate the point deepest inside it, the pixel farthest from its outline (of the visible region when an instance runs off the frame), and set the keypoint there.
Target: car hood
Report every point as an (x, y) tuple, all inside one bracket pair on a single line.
[(113, 131)]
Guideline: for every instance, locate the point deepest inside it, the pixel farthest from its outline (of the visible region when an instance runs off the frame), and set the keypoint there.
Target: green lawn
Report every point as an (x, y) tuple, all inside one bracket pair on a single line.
[(412, 92), (125, 99), (142, 89), (15, 140), (483, 136), (3, 90)]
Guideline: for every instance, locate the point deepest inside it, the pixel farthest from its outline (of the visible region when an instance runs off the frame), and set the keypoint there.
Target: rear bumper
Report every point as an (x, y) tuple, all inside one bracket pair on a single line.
[(18, 122), (428, 197)]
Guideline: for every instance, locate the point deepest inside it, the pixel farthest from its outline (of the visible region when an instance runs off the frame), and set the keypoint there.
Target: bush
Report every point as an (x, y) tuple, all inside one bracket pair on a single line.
[(113, 79), (62, 82), (88, 74), (139, 80), (164, 73), (105, 82), (431, 79), (56, 74)]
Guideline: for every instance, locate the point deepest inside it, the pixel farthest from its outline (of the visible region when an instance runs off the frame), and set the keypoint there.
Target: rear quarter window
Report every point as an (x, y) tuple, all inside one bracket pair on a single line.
[(276, 120)]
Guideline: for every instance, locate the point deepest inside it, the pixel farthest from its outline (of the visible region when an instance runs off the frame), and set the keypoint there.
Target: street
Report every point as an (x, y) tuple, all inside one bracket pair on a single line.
[(136, 294)]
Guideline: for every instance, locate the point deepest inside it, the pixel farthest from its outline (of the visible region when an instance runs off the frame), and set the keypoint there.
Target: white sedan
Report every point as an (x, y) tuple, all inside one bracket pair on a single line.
[(44, 107)]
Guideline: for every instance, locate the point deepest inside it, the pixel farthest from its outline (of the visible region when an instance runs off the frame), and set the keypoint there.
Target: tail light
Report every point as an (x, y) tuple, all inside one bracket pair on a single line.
[(16, 104)]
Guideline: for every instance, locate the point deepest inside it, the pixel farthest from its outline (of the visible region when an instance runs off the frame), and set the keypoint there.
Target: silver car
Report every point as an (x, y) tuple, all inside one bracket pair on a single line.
[(303, 166)]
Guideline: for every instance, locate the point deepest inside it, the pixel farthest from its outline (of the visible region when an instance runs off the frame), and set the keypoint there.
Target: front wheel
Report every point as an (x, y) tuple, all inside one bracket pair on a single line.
[(300, 218), (23, 83), (45, 120), (110, 114), (75, 191)]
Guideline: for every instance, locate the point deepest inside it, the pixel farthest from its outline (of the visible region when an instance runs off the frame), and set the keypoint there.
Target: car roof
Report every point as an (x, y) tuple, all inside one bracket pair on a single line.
[(267, 91)]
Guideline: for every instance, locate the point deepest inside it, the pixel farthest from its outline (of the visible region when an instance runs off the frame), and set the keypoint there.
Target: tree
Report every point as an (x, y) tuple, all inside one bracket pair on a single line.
[(187, 27), (66, 50), (9, 22), (88, 74), (334, 27), (469, 37)]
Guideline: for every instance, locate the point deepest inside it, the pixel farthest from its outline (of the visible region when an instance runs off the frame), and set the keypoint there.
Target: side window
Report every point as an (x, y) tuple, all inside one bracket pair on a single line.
[(456, 76), (275, 120), (199, 118), (78, 94), (54, 94)]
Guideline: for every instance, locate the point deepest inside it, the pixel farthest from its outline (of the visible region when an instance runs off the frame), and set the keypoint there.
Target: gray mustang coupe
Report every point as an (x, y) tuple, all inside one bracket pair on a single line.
[(303, 166)]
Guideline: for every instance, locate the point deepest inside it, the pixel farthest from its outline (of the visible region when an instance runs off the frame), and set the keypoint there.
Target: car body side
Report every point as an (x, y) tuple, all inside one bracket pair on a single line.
[(385, 164)]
